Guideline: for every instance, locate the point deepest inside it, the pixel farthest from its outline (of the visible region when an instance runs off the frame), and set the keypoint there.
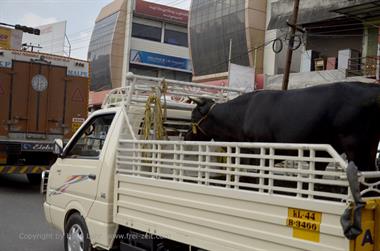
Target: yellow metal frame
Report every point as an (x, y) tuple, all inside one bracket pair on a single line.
[(369, 239)]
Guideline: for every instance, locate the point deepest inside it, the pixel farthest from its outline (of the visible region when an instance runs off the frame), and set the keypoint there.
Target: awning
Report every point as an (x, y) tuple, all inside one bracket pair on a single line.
[(364, 11), (313, 11), (97, 98)]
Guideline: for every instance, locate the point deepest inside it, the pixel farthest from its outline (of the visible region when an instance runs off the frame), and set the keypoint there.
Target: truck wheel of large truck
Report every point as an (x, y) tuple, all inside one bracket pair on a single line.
[(76, 234), (34, 178)]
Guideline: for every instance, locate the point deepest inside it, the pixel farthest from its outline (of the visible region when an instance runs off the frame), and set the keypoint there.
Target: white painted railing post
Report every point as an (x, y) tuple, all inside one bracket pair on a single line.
[(311, 175)]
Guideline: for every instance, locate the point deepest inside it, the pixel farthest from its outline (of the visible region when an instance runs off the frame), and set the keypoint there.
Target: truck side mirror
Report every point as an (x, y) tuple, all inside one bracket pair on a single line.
[(58, 146)]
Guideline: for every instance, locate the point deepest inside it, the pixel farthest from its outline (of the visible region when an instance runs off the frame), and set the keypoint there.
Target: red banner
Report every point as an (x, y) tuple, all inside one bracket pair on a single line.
[(162, 12)]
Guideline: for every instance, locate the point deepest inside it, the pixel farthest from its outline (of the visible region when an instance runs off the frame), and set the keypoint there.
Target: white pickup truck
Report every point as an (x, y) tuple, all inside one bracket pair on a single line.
[(127, 181)]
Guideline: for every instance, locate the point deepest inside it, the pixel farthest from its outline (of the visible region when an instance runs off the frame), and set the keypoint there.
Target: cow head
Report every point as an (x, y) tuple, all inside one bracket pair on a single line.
[(199, 120)]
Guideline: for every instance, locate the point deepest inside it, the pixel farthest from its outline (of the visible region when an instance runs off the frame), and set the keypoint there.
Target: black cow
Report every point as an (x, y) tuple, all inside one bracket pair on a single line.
[(345, 115)]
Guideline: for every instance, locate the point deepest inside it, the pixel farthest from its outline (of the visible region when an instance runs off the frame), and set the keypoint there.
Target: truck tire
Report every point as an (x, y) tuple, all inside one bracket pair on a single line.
[(34, 178), (76, 234)]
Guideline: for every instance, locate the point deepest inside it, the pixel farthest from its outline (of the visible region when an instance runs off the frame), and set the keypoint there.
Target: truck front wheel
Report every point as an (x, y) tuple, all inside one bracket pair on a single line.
[(76, 234)]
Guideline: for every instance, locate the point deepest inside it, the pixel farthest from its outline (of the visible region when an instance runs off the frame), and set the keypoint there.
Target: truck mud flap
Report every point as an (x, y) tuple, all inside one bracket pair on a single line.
[(22, 169)]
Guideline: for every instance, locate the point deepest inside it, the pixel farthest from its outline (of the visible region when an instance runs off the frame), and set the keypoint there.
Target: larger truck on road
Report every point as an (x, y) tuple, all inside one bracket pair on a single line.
[(127, 181), (42, 97)]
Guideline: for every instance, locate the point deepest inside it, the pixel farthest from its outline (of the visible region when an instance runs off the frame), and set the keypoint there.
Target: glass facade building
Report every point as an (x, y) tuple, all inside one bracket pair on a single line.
[(100, 52), (215, 25)]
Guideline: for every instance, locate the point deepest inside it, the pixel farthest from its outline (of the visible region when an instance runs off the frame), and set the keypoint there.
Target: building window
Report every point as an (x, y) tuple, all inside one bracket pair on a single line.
[(146, 32), (143, 70), (176, 75), (183, 76), (176, 38), (161, 73)]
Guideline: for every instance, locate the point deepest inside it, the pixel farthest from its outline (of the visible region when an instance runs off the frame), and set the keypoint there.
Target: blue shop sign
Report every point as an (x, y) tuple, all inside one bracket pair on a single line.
[(159, 60), (5, 64)]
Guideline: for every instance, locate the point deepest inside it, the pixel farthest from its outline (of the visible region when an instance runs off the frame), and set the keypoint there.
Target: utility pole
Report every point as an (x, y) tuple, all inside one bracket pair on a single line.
[(229, 56), (229, 60), (293, 26)]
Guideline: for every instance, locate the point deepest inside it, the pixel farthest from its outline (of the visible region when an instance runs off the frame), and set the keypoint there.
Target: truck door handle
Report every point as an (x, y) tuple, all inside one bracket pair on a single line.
[(59, 171), (92, 176)]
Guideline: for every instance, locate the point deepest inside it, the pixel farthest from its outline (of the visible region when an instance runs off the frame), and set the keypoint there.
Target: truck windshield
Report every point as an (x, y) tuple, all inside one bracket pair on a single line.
[(89, 142)]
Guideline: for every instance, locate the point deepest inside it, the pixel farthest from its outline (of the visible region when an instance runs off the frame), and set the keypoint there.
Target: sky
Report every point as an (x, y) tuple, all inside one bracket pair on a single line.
[(79, 14)]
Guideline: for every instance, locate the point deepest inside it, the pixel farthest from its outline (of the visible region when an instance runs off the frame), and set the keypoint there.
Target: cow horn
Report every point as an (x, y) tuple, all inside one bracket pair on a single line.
[(196, 100)]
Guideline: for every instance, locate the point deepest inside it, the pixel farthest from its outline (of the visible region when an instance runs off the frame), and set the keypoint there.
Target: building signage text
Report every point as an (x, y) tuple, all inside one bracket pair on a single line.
[(165, 13), (159, 60)]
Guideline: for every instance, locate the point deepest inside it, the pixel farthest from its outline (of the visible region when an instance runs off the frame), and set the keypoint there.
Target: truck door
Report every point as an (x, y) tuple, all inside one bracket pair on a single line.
[(37, 98), (5, 86), (74, 176)]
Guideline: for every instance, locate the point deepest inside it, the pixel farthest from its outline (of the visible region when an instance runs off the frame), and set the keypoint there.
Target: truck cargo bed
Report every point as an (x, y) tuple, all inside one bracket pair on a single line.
[(233, 196)]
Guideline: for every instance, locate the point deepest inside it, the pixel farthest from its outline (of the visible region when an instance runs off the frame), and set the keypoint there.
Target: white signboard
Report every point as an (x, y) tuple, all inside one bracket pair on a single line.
[(241, 77), (75, 67), (51, 39), (10, 38), (16, 39)]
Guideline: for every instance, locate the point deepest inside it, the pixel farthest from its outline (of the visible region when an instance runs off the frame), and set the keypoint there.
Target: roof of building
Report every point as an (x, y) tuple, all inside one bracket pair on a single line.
[(363, 11), (96, 98), (310, 11)]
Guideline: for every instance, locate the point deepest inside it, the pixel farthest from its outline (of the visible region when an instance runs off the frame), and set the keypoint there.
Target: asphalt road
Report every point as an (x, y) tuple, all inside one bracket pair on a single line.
[(22, 223)]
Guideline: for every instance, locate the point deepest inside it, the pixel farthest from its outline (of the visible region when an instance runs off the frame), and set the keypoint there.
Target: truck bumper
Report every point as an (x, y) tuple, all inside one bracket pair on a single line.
[(22, 169), (47, 212), (24, 157)]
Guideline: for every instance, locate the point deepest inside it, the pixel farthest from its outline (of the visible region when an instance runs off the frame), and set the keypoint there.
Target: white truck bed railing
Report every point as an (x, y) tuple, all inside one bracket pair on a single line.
[(304, 171), (235, 196), (175, 92)]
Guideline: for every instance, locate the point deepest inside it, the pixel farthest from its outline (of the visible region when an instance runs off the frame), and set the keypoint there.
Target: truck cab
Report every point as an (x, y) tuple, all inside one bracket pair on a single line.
[(81, 172)]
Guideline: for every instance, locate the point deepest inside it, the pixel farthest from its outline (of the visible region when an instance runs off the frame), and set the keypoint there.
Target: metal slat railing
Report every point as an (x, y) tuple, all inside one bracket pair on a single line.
[(363, 66), (252, 167), (140, 87)]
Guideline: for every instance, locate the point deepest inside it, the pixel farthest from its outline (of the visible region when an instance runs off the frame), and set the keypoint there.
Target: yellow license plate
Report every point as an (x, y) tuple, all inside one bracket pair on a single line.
[(305, 223)]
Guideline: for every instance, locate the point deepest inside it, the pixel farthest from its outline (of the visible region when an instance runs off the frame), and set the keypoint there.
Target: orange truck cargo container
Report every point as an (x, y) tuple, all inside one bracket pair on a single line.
[(42, 97)]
